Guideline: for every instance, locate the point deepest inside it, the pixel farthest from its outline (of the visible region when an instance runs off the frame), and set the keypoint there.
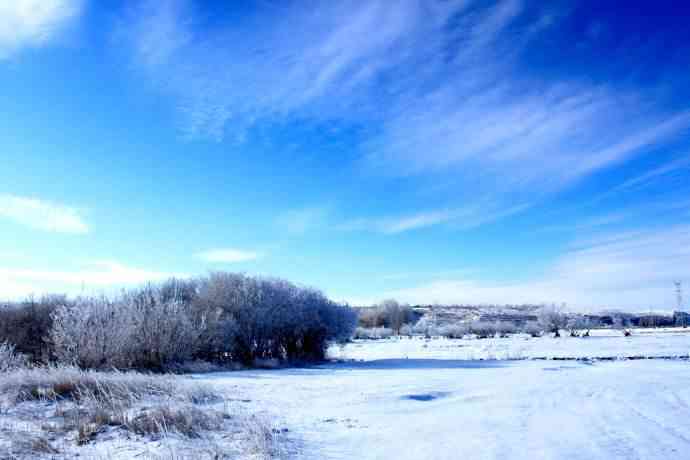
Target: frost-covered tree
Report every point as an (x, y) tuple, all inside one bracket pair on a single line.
[(552, 320), (94, 333), (272, 318), (396, 315)]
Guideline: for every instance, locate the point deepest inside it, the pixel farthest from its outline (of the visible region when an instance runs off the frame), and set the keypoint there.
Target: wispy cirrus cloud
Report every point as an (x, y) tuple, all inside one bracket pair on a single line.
[(228, 255), (393, 225), (42, 215), (439, 87), (464, 218), (33, 22), (678, 165)]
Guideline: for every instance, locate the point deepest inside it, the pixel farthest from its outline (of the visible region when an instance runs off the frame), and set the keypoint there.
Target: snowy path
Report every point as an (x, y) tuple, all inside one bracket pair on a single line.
[(445, 409)]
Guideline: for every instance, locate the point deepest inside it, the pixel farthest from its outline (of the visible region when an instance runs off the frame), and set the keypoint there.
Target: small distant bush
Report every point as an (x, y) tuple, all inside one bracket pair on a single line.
[(425, 327), (532, 328), (374, 333), (454, 331), (505, 328), (407, 330), (552, 320), (483, 329)]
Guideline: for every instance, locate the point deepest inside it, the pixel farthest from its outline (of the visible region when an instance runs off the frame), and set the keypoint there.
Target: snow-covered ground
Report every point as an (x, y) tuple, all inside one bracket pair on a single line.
[(602, 344), (406, 401)]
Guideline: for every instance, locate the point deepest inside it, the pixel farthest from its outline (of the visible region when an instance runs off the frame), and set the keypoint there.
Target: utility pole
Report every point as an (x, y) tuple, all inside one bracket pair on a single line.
[(679, 302)]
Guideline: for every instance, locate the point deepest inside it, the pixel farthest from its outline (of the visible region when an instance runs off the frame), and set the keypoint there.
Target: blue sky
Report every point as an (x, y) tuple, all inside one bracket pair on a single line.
[(432, 151)]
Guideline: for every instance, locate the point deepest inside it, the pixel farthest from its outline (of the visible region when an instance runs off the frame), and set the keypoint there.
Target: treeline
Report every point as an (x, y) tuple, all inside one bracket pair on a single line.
[(389, 314), (391, 318), (221, 318)]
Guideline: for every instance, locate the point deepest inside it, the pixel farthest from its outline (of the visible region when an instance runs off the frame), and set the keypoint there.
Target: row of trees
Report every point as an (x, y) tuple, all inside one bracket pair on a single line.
[(388, 314), (222, 317), (390, 318)]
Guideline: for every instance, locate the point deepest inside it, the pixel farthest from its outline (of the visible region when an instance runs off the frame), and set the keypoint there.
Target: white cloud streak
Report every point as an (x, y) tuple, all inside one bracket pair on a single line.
[(394, 225), (664, 170), (465, 218), (33, 22), (17, 282), (42, 215), (437, 85), (101, 273), (228, 255)]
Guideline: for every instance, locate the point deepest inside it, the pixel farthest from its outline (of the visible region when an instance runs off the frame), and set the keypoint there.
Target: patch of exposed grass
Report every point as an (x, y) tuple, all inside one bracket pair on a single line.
[(80, 407)]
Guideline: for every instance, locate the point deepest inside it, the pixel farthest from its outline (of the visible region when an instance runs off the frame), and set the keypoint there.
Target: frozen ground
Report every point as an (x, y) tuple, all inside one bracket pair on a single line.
[(405, 401), (602, 344)]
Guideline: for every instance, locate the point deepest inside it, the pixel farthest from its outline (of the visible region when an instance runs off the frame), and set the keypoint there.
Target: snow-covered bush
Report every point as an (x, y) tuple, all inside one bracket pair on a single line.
[(374, 333), (505, 328), (532, 328), (580, 326), (483, 329), (407, 330), (94, 333), (264, 318), (26, 325), (9, 358), (141, 329), (225, 317), (552, 320), (454, 331), (425, 327), (166, 329)]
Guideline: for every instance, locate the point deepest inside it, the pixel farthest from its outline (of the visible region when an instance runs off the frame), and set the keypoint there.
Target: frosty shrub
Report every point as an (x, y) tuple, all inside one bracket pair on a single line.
[(580, 325), (425, 327), (9, 358), (26, 325), (166, 329), (265, 318), (94, 332), (373, 333), (362, 333), (552, 320), (532, 328), (141, 329), (505, 328), (224, 317), (454, 331), (483, 329), (407, 330)]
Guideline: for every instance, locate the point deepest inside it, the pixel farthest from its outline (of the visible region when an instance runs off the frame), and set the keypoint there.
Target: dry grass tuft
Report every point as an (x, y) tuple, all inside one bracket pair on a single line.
[(71, 383), (187, 421), (89, 406)]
